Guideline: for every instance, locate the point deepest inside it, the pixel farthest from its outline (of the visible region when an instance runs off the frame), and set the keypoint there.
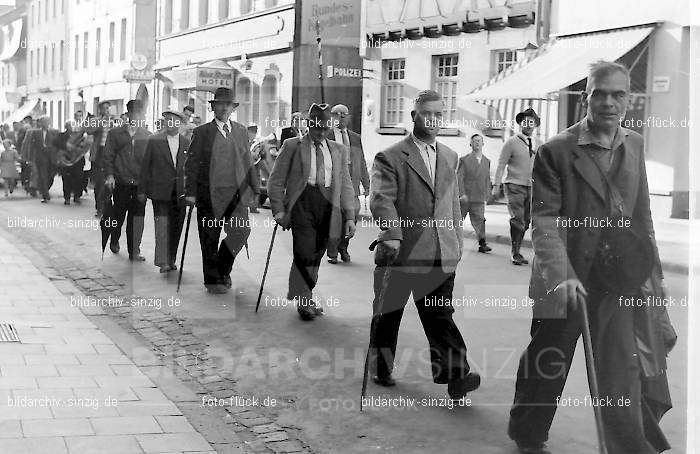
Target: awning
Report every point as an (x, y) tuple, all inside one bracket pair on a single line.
[(10, 39), (22, 111), (560, 63)]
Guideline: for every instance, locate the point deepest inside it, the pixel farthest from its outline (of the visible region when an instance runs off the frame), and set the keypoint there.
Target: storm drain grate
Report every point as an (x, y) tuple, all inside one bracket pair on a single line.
[(8, 333)]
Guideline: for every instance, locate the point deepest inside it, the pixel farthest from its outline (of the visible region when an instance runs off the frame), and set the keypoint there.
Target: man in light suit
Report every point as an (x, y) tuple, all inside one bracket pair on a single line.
[(415, 200), (358, 171), (311, 192), (220, 181), (630, 343), (474, 177), (162, 181)]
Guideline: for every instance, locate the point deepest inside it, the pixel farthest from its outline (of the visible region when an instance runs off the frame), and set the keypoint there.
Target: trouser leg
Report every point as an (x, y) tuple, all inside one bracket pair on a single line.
[(209, 228), (386, 321), (176, 221), (136, 212), (476, 217), (161, 223), (237, 230), (121, 205)]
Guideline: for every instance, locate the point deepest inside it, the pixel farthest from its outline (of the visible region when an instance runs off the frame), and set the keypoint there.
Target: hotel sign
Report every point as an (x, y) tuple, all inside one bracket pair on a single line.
[(213, 78)]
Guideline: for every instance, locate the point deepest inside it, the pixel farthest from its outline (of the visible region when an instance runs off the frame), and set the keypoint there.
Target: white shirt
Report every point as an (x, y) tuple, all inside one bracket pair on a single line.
[(174, 144), (220, 125), (338, 134), (327, 164), (429, 154), (478, 157)]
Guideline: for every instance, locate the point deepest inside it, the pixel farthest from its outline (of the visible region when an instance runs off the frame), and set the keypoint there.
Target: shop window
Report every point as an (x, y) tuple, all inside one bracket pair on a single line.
[(246, 6), (60, 55), (244, 92), (270, 105), (168, 17), (445, 68), (203, 12), (122, 41), (85, 49), (98, 46), (110, 52), (76, 52), (184, 14), (223, 9), (167, 97), (393, 76)]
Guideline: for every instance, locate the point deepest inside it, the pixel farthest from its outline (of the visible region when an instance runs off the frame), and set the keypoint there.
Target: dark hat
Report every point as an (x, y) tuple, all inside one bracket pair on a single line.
[(527, 113), (134, 105), (223, 94), (103, 102), (252, 128), (319, 116)]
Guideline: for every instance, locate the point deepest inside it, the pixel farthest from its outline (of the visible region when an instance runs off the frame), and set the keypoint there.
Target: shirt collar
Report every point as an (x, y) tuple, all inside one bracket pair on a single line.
[(423, 145), (524, 137), (586, 137), (221, 124)]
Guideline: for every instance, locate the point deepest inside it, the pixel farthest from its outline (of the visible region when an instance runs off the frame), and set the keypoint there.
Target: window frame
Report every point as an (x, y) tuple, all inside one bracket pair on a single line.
[(392, 90)]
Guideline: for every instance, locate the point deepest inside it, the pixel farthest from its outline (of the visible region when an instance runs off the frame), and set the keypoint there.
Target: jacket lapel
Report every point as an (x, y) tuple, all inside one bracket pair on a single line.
[(590, 173), (415, 161), (444, 174), (304, 152), (165, 148)]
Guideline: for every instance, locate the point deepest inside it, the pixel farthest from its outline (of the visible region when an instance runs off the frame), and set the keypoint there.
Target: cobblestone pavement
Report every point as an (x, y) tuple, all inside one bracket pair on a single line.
[(173, 351)]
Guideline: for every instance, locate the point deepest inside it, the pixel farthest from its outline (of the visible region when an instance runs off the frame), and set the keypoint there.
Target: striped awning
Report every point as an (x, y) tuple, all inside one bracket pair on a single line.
[(561, 62)]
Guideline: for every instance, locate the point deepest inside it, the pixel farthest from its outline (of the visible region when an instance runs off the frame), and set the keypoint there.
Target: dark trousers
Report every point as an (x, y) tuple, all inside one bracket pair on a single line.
[(217, 259), (73, 180), (26, 174), (334, 247), (431, 292), (476, 212), (545, 365), (98, 181), (169, 216), (46, 172), (518, 198), (310, 222), (126, 205)]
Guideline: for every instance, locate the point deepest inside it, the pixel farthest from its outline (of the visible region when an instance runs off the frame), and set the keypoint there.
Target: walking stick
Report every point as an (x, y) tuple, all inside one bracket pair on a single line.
[(373, 329), (246, 250), (592, 377), (267, 264), (184, 246)]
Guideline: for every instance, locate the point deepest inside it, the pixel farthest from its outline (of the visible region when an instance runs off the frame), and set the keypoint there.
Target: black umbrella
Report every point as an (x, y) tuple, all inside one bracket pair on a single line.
[(106, 223)]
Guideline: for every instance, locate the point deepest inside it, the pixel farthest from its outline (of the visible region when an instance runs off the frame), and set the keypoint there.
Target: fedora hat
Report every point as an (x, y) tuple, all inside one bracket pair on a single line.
[(529, 112), (174, 113), (319, 116), (223, 94)]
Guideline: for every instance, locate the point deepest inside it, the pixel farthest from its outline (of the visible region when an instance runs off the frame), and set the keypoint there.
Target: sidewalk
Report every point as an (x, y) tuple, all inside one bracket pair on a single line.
[(672, 235), (66, 387)]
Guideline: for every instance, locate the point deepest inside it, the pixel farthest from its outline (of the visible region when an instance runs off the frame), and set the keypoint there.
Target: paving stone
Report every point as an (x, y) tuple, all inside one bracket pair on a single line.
[(175, 442), (273, 436), (103, 444), (28, 371), (285, 446), (266, 428), (44, 445), (126, 425), (250, 423), (10, 429), (174, 424), (56, 427), (33, 360)]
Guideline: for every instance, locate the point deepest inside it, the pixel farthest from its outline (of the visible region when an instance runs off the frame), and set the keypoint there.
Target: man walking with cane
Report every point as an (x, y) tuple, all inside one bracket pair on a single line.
[(593, 174), (220, 181), (413, 182), (311, 193)]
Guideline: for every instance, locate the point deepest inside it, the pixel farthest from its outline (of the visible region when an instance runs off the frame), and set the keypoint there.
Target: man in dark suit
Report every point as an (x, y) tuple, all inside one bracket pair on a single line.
[(293, 130), (358, 172), (310, 191), (38, 148), (99, 127), (474, 177), (592, 173), (123, 155), (221, 182), (162, 181), (415, 200)]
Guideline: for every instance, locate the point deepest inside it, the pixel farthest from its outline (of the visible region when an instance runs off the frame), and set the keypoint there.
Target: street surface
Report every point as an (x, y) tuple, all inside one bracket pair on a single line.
[(307, 375)]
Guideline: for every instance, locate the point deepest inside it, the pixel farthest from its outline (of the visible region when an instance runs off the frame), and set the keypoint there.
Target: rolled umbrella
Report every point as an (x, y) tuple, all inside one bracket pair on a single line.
[(106, 223), (267, 264), (592, 376), (184, 246)]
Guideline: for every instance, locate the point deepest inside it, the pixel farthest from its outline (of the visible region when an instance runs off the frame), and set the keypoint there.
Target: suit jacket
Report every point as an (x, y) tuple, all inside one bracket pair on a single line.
[(567, 185), (290, 175), (474, 178), (36, 148), (159, 175), (358, 164), (426, 217), (123, 154), (197, 181)]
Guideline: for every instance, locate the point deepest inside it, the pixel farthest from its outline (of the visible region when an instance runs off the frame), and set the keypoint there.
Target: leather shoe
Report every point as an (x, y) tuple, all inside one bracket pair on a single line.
[(384, 380), (114, 247), (173, 267), (227, 282), (165, 269), (519, 260), (137, 258), (318, 310), (483, 247), (532, 448), (216, 289), (460, 387), (333, 260), (344, 256), (306, 313)]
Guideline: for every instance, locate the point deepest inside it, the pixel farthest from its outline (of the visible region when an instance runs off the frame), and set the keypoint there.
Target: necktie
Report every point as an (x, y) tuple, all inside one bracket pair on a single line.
[(346, 140), (529, 146), (431, 159), (320, 167), (226, 129)]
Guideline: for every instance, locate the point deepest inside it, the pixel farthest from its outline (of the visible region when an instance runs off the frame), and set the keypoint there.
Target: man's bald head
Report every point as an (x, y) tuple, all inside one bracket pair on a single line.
[(341, 115)]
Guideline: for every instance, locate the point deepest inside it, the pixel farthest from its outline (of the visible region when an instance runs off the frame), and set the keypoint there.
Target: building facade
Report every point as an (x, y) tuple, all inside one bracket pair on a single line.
[(451, 47), (13, 64), (246, 45)]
